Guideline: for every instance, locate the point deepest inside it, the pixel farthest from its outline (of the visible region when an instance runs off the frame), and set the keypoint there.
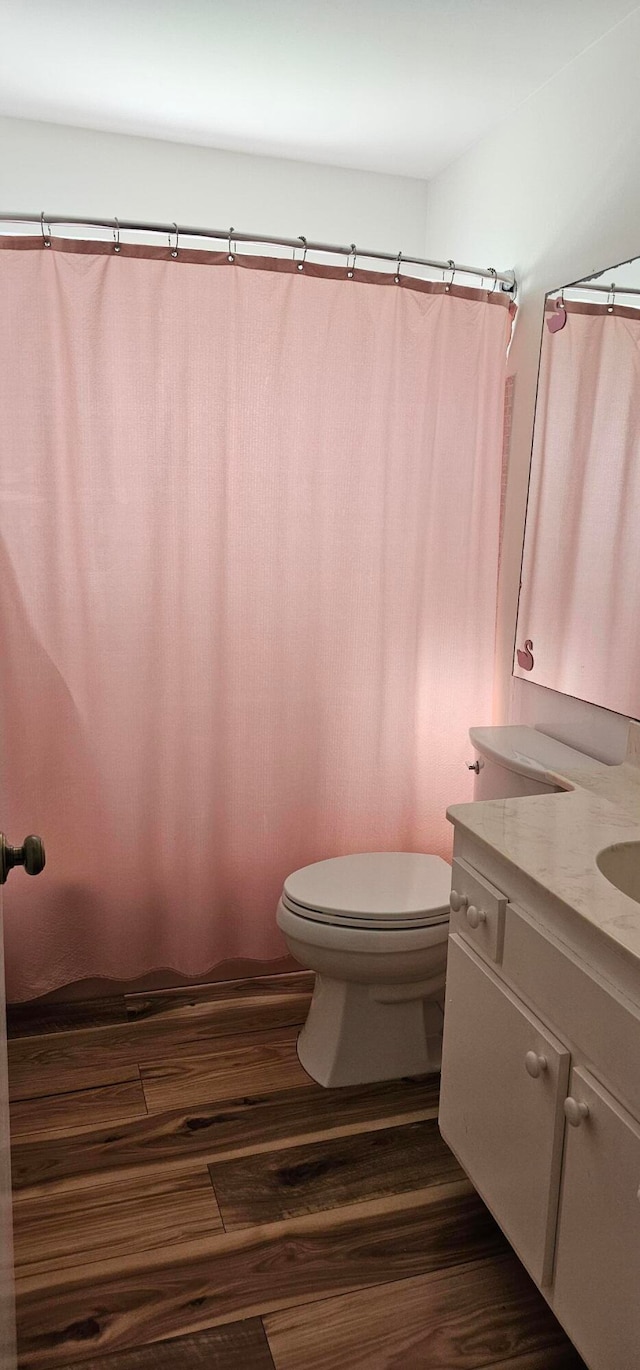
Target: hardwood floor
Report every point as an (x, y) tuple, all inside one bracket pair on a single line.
[(328, 1174), (185, 1196), (77, 1109)]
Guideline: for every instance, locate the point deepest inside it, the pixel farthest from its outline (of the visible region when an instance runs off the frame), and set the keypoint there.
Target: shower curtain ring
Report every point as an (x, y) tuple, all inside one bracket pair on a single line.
[(174, 249), (452, 267), (230, 254), (397, 275), (493, 272), (351, 269), (300, 264), (611, 298), (46, 240), (116, 236)]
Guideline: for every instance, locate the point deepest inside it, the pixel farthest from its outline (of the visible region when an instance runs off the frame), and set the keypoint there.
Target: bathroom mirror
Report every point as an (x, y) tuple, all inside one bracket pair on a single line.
[(578, 628)]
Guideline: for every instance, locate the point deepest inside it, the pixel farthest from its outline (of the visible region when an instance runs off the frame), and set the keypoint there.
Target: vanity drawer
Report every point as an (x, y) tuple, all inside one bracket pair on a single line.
[(477, 910)]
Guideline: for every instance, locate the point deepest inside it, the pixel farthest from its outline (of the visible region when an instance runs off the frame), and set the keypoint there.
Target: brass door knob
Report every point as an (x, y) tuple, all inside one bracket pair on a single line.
[(30, 855)]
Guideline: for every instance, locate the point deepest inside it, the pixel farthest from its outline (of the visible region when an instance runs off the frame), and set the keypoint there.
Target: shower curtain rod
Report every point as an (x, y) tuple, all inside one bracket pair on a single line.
[(506, 279), (612, 289)]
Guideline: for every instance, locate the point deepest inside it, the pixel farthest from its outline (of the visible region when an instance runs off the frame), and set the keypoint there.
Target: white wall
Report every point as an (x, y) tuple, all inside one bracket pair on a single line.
[(80, 172), (555, 193)]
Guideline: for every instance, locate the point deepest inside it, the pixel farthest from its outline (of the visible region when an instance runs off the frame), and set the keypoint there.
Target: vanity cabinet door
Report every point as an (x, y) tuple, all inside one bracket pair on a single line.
[(597, 1278), (504, 1081)]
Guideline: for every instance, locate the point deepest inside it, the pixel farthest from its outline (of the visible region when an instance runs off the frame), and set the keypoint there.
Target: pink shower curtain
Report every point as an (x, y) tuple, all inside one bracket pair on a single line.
[(580, 596), (249, 536)]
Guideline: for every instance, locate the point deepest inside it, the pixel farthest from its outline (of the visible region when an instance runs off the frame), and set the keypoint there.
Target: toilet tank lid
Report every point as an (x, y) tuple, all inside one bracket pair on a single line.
[(375, 884), (528, 752)]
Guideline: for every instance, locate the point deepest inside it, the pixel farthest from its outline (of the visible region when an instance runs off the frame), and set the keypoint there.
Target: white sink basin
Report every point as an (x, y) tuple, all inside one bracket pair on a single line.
[(621, 867)]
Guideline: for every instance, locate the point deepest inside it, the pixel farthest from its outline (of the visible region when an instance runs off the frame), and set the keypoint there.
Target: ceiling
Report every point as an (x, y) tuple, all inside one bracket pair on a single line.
[(401, 86)]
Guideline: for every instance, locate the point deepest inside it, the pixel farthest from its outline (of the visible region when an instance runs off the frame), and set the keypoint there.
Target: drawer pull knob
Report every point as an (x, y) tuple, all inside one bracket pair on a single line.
[(475, 916), (458, 901), (535, 1064), (575, 1111)]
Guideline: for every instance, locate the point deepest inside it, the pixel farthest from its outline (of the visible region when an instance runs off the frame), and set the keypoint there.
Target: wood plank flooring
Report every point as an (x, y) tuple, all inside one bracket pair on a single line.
[(31, 1020), (328, 1174), (234, 1346), (183, 1139), (457, 1318), (186, 1196), (119, 1218), (79, 1108), (260, 1061)]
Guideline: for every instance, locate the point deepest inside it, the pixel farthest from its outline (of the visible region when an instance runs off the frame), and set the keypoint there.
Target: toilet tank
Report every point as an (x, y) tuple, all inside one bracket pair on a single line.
[(515, 761)]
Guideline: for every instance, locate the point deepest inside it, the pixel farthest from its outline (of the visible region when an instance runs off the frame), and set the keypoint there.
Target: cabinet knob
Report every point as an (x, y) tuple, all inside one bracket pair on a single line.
[(534, 1064), (575, 1111), (475, 916), (458, 901)]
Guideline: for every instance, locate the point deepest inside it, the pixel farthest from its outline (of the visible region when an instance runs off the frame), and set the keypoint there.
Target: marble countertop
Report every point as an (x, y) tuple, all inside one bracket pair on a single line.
[(554, 839)]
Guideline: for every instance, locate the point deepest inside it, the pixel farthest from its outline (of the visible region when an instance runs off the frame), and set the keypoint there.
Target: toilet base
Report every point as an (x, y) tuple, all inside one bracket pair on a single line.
[(357, 1034)]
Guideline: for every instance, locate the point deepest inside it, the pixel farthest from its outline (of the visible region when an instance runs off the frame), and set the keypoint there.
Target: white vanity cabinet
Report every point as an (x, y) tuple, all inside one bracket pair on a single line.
[(504, 1085), (529, 1106), (596, 1292)]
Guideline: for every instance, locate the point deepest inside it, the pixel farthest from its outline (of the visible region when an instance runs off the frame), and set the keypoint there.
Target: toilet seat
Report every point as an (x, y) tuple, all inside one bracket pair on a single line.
[(384, 891), (390, 924)]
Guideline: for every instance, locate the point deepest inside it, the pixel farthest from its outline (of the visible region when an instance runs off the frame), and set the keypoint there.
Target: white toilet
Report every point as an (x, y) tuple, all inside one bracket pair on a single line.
[(374, 928)]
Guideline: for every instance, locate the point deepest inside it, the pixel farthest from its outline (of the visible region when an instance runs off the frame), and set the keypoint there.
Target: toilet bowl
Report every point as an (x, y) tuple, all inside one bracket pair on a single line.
[(374, 928)]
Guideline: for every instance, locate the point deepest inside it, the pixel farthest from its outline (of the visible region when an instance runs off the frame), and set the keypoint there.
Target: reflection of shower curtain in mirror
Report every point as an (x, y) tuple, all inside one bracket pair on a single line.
[(580, 597), (249, 534)]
